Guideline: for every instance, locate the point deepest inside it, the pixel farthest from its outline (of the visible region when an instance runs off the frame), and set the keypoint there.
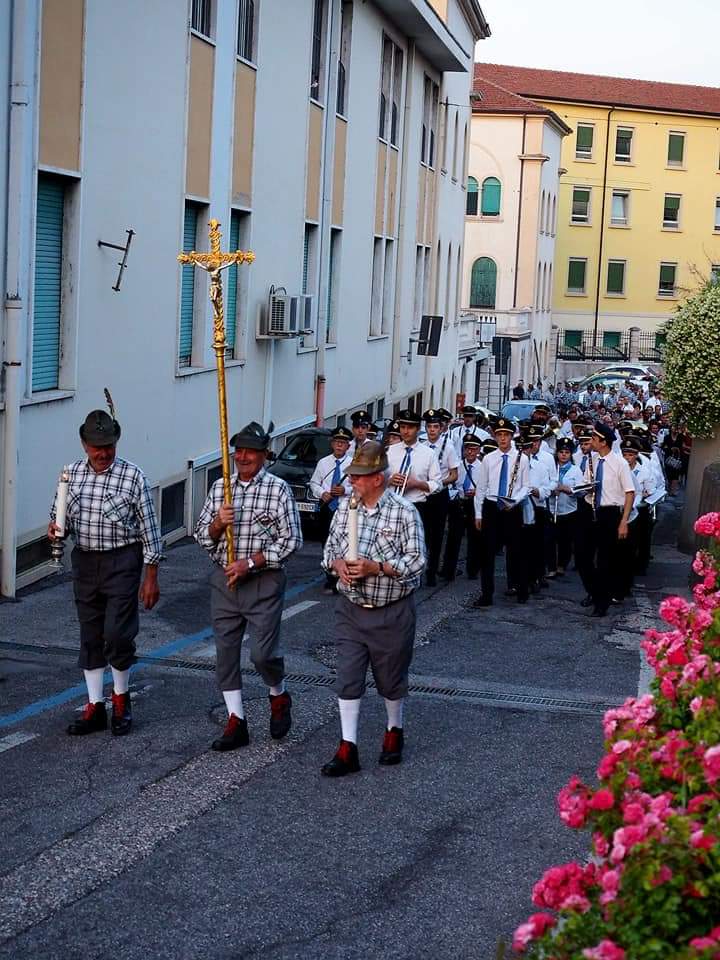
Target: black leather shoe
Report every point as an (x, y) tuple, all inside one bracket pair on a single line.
[(482, 602), (93, 719), (587, 602), (346, 760), (543, 583), (392, 747), (280, 719), (444, 575), (121, 722), (430, 580), (234, 735), (599, 612)]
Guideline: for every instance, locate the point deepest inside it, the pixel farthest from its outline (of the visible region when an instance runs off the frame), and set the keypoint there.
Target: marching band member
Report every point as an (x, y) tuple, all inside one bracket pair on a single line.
[(328, 483), (563, 506), (461, 513), (438, 503)]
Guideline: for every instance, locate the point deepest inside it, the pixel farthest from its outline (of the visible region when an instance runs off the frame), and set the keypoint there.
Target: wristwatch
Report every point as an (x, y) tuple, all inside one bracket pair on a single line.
[(251, 564), (381, 569)]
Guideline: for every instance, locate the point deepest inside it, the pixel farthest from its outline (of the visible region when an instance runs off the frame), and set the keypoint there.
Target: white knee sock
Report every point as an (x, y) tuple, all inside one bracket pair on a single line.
[(349, 716), (94, 683), (395, 713), (121, 680), (276, 691), (234, 703)]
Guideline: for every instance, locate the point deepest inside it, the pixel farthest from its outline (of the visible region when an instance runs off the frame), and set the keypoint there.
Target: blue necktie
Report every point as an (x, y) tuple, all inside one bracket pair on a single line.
[(598, 482), (583, 465), (405, 465), (502, 486), (467, 482), (336, 477)]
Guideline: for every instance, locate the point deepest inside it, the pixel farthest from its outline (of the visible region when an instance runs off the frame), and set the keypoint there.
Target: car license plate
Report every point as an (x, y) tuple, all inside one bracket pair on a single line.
[(307, 507)]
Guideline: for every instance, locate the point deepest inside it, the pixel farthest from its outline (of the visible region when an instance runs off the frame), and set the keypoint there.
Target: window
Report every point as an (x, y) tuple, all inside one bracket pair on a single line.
[(616, 278), (376, 290), (620, 208), (333, 285), (455, 147), (318, 51), (429, 123), (490, 201), (623, 145), (201, 17), (344, 57), (611, 339), (584, 141), (483, 283), (390, 92), (396, 95), (237, 277), (380, 408), (581, 205), (187, 286), (676, 149), (388, 300), (577, 268), (47, 293), (717, 215), (172, 508), (715, 273), (553, 220), (385, 87), (471, 201), (246, 30), (671, 211), (573, 338), (309, 280), (666, 287)]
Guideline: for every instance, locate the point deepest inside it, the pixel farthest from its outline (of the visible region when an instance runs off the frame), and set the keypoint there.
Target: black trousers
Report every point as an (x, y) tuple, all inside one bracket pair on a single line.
[(539, 535), (106, 585), (461, 523), (609, 555), (503, 528), (584, 548), (324, 519), (563, 539), (644, 524), (434, 517)]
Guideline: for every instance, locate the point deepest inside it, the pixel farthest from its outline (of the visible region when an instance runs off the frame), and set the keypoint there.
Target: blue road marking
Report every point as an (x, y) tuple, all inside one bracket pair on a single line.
[(175, 646)]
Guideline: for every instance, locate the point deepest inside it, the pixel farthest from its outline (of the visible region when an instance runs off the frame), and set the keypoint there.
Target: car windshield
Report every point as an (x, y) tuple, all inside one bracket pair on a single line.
[(306, 448), (518, 409)]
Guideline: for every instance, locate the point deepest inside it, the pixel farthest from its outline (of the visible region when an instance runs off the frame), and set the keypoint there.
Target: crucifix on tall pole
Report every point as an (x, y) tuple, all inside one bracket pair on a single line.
[(213, 263)]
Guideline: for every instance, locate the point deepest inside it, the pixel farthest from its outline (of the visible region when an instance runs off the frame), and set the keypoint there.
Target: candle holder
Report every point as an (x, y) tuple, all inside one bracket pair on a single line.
[(57, 552)]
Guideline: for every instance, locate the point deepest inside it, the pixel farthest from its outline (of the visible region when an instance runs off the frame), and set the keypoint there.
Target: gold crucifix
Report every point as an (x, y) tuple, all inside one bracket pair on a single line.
[(213, 263)]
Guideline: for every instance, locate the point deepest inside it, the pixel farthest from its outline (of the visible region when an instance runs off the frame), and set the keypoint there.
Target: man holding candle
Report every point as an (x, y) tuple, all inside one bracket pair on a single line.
[(250, 591), (376, 548), (110, 514)]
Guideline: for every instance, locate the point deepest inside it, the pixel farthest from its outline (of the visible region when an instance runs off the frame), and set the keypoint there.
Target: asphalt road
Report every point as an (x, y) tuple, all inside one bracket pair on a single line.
[(154, 846)]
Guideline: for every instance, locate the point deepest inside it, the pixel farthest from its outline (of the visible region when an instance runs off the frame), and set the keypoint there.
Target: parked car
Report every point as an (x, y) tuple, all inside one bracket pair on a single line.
[(629, 370), (609, 378), (521, 409), (295, 464)]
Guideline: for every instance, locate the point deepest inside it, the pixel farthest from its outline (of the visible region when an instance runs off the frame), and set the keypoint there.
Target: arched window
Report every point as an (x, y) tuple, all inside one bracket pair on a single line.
[(490, 203), (542, 212), (483, 283), (471, 204)]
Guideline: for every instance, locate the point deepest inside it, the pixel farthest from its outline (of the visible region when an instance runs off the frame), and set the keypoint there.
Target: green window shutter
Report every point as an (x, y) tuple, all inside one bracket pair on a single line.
[(48, 283), (232, 284), (584, 141), (573, 338), (616, 277), (187, 290), (667, 278), (483, 283), (676, 148), (672, 209), (576, 275), (581, 204), (472, 197), (611, 339), (490, 204), (623, 144)]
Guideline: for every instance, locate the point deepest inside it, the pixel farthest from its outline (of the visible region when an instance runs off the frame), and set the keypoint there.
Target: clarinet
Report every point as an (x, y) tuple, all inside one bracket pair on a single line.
[(591, 471), (516, 468)]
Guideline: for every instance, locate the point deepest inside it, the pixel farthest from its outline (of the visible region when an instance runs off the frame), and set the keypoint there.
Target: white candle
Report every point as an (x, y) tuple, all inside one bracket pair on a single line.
[(61, 501), (352, 553)]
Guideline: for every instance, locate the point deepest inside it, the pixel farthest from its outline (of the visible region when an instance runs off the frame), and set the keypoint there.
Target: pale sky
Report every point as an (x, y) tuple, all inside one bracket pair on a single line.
[(671, 40)]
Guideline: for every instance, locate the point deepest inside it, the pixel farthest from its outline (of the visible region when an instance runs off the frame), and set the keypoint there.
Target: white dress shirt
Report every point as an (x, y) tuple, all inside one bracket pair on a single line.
[(542, 476), (488, 478), (645, 482), (567, 476), (617, 480), (459, 433), (424, 466), (446, 454), (321, 480)]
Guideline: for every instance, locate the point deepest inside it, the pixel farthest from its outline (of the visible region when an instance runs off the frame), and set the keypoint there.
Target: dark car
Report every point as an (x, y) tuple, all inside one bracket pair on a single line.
[(296, 462)]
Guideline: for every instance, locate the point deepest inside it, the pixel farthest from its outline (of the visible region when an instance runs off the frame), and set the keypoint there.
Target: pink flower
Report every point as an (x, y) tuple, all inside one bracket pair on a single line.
[(607, 765), (633, 813), (602, 800), (711, 765), (536, 926), (610, 883), (621, 746), (663, 875), (573, 803), (575, 901), (675, 610), (605, 950), (708, 525), (702, 841)]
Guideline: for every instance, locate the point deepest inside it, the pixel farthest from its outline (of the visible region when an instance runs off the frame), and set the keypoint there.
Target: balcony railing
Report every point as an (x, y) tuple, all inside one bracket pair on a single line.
[(610, 345)]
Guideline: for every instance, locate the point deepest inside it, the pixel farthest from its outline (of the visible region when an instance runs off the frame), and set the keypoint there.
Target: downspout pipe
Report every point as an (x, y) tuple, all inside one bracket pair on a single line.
[(602, 229), (23, 42)]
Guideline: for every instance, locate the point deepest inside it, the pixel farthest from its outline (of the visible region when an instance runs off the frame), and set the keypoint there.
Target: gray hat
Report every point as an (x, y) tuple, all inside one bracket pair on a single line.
[(100, 429), (369, 458), (252, 437)]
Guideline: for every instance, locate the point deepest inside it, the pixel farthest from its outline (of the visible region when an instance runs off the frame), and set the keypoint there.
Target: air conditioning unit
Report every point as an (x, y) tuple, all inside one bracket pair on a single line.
[(286, 316)]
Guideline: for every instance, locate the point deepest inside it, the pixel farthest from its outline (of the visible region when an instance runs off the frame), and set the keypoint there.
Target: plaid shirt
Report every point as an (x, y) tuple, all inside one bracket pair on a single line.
[(391, 532), (111, 509), (266, 520)]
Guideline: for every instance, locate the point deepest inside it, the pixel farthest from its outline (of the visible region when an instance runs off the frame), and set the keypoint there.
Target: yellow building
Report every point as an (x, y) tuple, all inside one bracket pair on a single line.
[(639, 202)]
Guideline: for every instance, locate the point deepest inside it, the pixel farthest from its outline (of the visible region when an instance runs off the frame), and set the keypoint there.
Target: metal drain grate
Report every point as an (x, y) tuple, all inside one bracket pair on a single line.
[(512, 700)]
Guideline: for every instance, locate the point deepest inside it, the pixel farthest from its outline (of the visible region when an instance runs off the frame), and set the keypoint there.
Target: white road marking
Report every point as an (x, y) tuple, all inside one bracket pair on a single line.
[(646, 671), (15, 739), (208, 651)]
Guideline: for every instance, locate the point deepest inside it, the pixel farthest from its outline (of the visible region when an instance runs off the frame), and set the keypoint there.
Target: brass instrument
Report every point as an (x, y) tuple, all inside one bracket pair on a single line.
[(516, 468), (591, 471)]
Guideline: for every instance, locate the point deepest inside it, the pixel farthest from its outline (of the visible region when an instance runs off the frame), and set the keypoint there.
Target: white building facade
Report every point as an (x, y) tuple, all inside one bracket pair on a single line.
[(510, 228), (328, 136)]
